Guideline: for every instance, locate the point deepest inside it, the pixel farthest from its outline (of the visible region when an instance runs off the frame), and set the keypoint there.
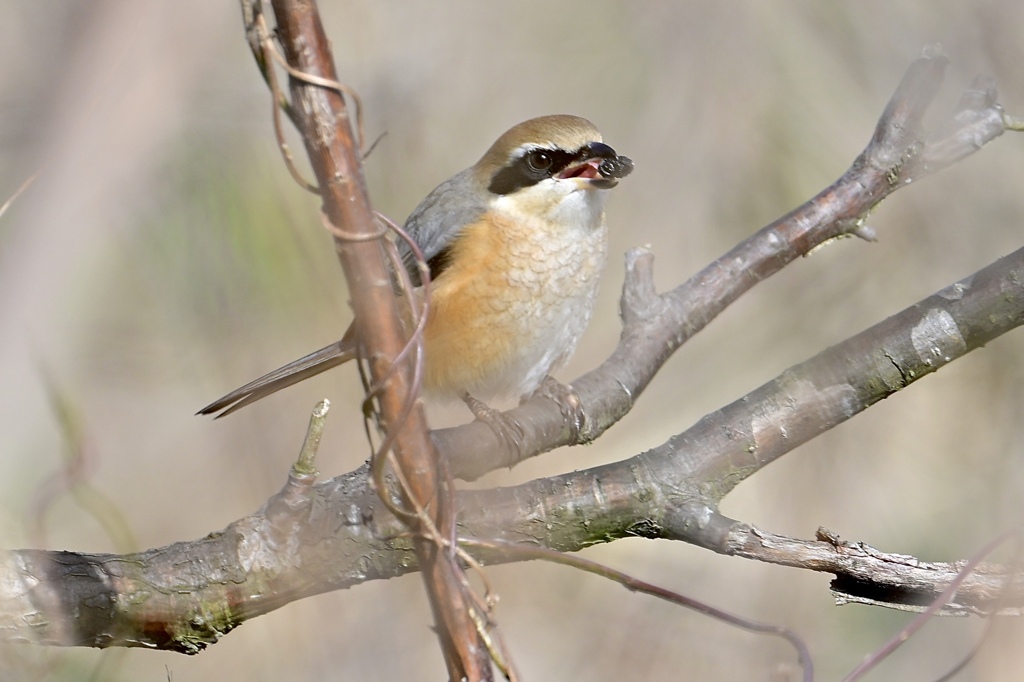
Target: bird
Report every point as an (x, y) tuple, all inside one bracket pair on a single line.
[(515, 246)]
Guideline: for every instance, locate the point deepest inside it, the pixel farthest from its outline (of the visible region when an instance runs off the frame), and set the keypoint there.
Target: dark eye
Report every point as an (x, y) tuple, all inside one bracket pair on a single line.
[(539, 160)]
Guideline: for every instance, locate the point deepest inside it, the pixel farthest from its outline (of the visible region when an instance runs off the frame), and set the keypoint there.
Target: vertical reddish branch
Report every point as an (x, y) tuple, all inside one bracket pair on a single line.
[(328, 137)]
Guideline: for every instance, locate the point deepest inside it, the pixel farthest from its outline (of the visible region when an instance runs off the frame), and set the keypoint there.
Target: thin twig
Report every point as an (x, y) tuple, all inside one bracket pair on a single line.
[(267, 47), (18, 192), (520, 552), (925, 616)]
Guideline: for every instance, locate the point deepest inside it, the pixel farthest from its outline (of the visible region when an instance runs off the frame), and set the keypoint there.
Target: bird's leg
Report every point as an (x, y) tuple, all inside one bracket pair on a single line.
[(508, 430), (567, 400)]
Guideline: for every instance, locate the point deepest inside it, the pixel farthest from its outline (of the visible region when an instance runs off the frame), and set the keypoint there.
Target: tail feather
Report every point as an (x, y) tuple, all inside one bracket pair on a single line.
[(292, 373)]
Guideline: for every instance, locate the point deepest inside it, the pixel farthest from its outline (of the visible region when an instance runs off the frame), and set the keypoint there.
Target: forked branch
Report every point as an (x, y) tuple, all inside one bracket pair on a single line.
[(185, 596)]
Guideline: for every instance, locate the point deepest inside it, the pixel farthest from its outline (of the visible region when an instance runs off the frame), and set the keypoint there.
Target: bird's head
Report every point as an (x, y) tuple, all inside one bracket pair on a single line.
[(555, 167)]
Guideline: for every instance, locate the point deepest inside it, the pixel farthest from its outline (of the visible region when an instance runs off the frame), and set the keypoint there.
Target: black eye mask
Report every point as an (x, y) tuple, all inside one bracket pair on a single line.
[(539, 164)]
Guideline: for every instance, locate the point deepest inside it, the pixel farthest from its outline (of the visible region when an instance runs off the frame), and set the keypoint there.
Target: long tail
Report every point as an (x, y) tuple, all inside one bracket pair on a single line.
[(292, 373)]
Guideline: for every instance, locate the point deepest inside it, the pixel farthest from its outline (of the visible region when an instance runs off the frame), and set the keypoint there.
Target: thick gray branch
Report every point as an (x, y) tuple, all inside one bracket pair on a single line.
[(309, 540)]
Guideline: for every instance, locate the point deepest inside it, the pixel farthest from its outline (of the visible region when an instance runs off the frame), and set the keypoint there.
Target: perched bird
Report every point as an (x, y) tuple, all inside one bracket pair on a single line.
[(515, 245)]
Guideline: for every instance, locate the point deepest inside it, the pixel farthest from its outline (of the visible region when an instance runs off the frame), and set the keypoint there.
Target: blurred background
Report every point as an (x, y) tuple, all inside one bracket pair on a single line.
[(163, 256)]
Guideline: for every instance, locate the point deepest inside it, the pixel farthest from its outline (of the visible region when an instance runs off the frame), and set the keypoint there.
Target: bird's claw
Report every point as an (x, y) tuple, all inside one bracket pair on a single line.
[(508, 430), (568, 402)]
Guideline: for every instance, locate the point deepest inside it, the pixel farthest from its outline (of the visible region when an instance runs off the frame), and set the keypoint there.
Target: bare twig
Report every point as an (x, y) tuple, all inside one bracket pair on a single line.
[(18, 192), (935, 607), (265, 53), (305, 464), (510, 551), (866, 575), (73, 478)]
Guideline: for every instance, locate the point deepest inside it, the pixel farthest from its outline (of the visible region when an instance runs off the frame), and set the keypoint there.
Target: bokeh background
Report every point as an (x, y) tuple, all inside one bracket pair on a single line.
[(163, 256)]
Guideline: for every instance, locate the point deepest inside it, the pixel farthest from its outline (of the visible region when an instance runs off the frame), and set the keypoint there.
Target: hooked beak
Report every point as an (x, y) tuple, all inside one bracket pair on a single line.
[(599, 165)]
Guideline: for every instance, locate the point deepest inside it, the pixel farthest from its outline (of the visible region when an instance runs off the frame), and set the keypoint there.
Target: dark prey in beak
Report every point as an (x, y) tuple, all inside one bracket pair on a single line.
[(616, 167)]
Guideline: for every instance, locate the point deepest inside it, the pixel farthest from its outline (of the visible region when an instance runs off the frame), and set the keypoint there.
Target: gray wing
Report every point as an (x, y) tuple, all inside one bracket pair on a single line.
[(434, 224)]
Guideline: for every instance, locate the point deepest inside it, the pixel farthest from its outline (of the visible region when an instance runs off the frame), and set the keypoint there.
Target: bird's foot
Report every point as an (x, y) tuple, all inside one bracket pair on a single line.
[(508, 430), (568, 403)]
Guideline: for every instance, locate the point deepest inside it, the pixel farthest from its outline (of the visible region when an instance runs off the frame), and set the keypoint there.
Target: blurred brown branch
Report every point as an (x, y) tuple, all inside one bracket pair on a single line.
[(322, 118)]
